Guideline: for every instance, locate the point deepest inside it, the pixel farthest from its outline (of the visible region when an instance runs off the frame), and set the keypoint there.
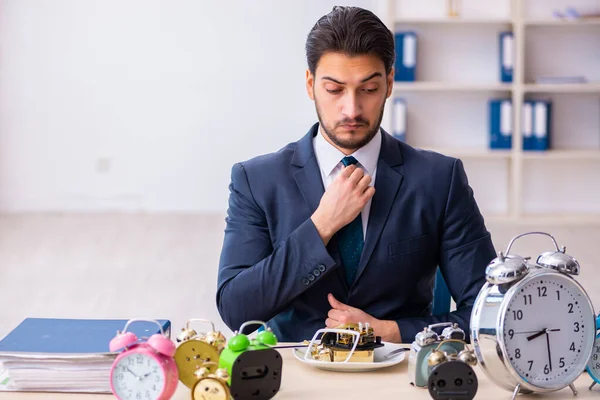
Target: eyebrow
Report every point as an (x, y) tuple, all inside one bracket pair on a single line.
[(373, 75)]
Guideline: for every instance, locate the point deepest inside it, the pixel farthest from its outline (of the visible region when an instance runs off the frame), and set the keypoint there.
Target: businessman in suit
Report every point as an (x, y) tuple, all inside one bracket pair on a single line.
[(349, 224)]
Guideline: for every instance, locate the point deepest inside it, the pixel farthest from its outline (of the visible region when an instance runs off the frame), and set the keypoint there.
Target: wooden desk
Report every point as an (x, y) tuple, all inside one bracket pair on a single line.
[(303, 382)]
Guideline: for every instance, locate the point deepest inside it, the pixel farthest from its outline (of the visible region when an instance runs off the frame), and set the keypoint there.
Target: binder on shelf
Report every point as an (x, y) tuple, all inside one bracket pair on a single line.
[(507, 56), (527, 124), (541, 125), (406, 56), (500, 123), (399, 119)]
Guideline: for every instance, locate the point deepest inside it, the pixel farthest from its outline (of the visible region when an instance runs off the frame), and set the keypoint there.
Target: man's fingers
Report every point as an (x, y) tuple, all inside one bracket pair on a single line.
[(363, 183), (356, 176), (331, 323), (337, 304), (347, 171), (337, 315), (369, 192)]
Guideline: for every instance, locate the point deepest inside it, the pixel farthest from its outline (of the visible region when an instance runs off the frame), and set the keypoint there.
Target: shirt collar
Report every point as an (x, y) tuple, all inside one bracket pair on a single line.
[(329, 157)]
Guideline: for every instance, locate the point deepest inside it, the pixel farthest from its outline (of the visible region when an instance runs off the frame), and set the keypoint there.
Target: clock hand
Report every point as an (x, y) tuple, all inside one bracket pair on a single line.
[(549, 356), (132, 373), (536, 335)]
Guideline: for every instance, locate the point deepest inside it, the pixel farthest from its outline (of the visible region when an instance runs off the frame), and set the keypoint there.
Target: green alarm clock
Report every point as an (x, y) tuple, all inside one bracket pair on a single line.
[(253, 367), (593, 366)]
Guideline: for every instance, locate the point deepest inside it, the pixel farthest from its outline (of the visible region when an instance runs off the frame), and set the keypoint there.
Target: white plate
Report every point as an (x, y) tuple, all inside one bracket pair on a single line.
[(378, 363)]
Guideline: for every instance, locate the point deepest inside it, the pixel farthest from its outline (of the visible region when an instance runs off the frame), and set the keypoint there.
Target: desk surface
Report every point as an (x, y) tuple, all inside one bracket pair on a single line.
[(301, 381)]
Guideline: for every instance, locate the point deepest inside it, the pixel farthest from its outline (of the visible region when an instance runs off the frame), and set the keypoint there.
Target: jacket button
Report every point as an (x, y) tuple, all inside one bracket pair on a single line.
[(322, 268), (311, 277), (316, 272), (305, 282)]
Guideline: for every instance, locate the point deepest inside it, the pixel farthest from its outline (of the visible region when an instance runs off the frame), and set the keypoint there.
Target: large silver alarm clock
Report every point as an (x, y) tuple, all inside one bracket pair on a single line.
[(533, 325)]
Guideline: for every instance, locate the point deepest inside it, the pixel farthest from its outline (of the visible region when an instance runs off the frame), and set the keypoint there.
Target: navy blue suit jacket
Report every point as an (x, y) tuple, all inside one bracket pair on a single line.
[(274, 267)]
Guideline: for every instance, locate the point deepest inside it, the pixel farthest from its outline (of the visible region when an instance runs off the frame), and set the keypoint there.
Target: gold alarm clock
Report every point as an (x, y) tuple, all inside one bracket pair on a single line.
[(211, 386), (196, 349)]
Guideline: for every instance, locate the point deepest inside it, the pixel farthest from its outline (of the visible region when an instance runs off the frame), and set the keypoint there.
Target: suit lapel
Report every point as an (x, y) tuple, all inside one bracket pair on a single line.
[(310, 183), (308, 175), (387, 184)]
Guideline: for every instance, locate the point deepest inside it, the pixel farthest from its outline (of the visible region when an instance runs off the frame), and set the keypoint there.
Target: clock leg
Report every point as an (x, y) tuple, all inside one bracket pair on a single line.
[(592, 385), (573, 389), (516, 392)]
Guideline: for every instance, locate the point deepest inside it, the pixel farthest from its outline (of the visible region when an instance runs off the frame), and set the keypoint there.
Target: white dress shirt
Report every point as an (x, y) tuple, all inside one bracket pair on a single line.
[(329, 159)]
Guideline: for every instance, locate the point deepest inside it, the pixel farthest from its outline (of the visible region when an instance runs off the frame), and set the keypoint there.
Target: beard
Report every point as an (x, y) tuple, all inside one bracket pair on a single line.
[(352, 143)]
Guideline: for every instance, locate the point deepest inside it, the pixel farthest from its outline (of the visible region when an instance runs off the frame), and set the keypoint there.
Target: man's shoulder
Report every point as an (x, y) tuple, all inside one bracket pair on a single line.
[(424, 158), (270, 162)]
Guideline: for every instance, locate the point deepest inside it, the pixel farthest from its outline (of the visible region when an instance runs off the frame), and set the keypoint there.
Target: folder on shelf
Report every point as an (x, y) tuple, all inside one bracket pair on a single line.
[(399, 119), (527, 124), (500, 123), (406, 56), (507, 56), (64, 355), (541, 125)]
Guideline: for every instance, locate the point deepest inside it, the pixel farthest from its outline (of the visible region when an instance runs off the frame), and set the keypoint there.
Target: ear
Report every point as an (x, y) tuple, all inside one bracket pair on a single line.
[(310, 81), (390, 83)]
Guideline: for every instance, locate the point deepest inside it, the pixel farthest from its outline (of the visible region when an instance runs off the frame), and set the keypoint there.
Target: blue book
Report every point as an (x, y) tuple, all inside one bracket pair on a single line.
[(500, 123), (506, 50), (72, 336), (406, 56), (527, 124), (399, 119), (541, 125)]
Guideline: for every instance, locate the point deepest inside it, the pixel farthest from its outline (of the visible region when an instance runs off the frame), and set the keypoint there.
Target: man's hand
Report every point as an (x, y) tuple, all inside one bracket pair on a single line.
[(341, 313), (343, 200)]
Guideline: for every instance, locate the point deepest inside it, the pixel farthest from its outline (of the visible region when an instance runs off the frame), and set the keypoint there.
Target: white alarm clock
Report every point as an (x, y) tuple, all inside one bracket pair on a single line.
[(533, 325)]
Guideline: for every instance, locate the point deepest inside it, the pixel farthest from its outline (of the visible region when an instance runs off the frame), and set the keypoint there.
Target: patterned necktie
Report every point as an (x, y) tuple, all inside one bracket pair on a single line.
[(350, 239)]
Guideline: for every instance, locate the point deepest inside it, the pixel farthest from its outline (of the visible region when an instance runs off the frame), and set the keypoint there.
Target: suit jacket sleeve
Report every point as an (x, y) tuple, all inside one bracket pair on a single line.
[(255, 280), (465, 251)]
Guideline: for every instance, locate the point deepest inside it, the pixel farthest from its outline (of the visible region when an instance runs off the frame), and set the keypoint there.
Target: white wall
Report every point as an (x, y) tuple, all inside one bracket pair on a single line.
[(146, 104)]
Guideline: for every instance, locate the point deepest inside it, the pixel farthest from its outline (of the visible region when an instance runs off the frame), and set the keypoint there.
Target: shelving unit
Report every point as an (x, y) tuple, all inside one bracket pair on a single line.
[(515, 173)]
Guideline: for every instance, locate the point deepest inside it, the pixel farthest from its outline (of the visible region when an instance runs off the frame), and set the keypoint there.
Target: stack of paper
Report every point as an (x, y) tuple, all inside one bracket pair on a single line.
[(64, 355)]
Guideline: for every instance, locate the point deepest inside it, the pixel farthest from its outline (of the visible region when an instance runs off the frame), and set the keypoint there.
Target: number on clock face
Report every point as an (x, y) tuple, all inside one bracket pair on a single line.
[(138, 377), (594, 363), (547, 331)]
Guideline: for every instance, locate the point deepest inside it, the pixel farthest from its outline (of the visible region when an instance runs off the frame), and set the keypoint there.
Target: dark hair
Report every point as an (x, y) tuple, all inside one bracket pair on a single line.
[(353, 31)]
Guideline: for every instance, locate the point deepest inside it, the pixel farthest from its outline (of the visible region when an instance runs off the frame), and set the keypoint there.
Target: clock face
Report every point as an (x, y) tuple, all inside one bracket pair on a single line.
[(594, 363), (210, 389), (138, 376), (548, 330)]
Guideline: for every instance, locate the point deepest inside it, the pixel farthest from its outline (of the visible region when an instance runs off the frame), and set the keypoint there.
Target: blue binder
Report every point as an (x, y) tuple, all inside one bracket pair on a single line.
[(507, 56), (399, 119), (527, 124), (72, 336), (541, 125), (406, 56), (500, 123)]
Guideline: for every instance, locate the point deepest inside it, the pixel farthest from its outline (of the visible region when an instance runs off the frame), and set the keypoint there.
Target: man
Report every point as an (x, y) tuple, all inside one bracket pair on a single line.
[(349, 224)]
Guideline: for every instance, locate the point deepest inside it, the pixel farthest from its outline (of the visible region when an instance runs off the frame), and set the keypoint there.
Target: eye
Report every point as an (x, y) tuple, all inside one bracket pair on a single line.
[(334, 91), (370, 90)]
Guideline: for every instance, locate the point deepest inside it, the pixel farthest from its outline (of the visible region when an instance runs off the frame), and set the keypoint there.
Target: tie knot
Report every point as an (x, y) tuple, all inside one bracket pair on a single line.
[(349, 160)]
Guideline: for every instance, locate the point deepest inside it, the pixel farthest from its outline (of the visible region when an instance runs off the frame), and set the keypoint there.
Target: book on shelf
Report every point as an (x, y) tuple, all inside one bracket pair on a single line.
[(500, 123), (64, 355), (406, 56), (561, 79)]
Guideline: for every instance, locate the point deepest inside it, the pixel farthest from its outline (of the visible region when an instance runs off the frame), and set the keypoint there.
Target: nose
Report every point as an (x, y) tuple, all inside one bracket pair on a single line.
[(351, 107)]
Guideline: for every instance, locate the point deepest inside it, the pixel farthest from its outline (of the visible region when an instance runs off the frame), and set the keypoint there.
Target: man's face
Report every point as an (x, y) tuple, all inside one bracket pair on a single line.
[(349, 94)]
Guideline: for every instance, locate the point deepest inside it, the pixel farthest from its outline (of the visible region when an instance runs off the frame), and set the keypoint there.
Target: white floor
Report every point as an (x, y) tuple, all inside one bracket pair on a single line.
[(165, 265)]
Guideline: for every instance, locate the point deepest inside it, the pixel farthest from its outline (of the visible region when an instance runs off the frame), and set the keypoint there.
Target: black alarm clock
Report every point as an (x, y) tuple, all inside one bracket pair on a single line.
[(452, 375)]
